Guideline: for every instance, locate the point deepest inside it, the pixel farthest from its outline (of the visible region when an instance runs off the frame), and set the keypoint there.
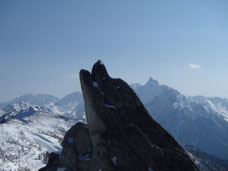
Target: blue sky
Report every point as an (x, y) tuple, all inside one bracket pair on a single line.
[(45, 43)]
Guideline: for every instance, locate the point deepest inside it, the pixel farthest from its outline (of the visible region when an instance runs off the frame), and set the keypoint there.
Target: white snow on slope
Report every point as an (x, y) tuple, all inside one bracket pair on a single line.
[(218, 105), (25, 145), (220, 109), (1, 112), (109, 106), (95, 84)]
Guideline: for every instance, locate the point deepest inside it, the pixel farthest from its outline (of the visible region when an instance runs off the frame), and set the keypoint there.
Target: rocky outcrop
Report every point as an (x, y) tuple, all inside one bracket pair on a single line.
[(53, 163), (75, 153), (76, 147), (121, 135)]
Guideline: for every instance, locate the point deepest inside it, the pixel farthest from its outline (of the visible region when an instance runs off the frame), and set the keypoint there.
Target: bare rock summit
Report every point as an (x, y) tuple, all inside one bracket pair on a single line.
[(120, 135)]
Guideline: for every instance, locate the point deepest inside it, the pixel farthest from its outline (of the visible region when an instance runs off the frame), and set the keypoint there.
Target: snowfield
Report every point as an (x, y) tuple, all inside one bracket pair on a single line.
[(24, 146), (28, 132)]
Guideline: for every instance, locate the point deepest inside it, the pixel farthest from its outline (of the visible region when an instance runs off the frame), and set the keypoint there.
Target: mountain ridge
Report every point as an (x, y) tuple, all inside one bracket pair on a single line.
[(191, 120), (34, 99), (173, 111)]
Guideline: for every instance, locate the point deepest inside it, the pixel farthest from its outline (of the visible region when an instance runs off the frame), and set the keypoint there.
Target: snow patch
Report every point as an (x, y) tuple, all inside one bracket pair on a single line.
[(114, 160), (95, 84), (100, 61), (109, 106), (70, 140), (61, 169)]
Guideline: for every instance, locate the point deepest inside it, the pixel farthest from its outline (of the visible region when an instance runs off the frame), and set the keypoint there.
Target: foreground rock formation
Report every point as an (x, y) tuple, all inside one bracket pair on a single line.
[(120, 135)]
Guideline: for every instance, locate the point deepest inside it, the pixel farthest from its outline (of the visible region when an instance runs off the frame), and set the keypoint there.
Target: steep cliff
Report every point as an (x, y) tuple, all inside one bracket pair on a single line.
[(120, 135)]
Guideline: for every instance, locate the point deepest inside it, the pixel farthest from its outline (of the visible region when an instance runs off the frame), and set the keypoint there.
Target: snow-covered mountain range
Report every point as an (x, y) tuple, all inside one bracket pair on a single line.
[(199, 121), (32, 128), (33, 99), (32, 125), (206, 162)]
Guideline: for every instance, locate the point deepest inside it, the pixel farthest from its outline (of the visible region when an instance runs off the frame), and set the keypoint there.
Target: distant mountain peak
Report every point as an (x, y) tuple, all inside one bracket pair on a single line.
[(151, 81), (34, 99), (36, 95)]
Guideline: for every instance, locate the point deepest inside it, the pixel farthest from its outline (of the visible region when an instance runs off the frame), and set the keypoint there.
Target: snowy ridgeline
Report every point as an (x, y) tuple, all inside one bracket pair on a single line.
[(29, 132), (25, 145)]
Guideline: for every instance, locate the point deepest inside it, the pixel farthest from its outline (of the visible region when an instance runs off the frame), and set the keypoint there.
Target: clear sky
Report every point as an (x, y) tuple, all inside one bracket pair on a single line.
[(181, 43)]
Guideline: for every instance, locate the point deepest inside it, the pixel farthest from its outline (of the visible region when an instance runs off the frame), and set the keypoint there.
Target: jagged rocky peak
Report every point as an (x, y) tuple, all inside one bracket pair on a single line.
[(121, 133), (120, 126), (153, 82)]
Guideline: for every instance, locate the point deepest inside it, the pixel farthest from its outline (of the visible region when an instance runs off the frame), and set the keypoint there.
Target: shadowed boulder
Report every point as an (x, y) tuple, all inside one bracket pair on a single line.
[(75, 145)]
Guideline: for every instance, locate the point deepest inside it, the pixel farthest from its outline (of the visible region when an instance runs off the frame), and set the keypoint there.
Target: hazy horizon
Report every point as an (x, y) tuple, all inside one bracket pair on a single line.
[(44, 44), (60, 97)]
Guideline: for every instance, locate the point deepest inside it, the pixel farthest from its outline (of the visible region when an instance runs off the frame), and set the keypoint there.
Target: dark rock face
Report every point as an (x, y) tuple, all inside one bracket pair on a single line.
[(75, 145), (53, 163), (120, 127), (76, 150), (121, 134)]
